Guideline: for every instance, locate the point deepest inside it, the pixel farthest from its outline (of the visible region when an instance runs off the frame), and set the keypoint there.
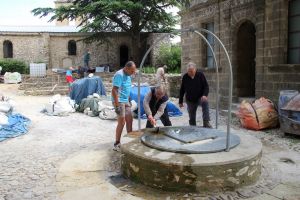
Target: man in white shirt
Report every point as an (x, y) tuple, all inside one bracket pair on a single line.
[(160, 75)]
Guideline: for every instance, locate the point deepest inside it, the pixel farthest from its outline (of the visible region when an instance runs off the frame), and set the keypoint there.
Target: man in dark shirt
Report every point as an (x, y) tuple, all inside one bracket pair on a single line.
[(155, 103), (195, 88)]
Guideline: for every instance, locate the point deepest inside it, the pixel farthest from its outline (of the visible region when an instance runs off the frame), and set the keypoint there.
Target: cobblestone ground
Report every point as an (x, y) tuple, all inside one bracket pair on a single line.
[(36, 165)]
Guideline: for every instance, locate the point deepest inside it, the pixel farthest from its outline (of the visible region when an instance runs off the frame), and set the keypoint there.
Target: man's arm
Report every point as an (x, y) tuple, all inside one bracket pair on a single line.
[(182, 91), (117, 82), (115, 95), (160, 110), (146, 102), (205, 86)]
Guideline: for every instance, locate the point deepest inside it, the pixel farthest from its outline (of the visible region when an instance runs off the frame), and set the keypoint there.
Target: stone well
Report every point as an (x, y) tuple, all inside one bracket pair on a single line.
[(194, 172)]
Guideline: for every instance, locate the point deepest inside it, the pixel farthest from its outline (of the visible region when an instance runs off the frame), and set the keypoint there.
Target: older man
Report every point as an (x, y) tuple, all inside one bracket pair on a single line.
[(120, 98), (195, 88), (155, 103)]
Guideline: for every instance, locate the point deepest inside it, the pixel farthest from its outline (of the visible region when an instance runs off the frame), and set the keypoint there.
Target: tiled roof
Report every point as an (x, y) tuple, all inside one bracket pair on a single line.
[(38, 29)]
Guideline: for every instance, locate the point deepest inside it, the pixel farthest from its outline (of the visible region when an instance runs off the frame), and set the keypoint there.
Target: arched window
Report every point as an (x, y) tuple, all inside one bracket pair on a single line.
[(123, 55), (7, 49), (72, 48)]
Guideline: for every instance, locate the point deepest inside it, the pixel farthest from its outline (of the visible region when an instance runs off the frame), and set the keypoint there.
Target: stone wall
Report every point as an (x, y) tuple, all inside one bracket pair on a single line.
[(52, 48), (173, 82), (27, 47), (270, 19)]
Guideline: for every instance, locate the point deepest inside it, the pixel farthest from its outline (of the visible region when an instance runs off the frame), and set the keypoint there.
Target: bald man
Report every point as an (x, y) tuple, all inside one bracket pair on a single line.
[(195, 88)]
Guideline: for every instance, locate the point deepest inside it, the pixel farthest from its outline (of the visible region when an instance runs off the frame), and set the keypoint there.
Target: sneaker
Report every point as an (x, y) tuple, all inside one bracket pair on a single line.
[(206, 124), (117, 147)]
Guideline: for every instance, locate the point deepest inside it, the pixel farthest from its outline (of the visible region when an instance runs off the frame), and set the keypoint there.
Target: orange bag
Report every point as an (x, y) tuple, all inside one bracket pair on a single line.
[(258, 115)]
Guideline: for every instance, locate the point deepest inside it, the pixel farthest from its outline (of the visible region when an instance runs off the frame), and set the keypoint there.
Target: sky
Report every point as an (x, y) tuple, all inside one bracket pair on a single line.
[(18, 13)]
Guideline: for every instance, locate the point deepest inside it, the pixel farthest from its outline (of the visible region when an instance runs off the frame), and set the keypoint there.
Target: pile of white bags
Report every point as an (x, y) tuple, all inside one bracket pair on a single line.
[(14, 77), (60, 105), (107, 111), (6, 106)]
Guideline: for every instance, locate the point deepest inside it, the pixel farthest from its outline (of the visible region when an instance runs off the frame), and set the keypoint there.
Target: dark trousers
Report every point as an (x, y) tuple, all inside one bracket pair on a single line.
[(164, 119), (192, 110)]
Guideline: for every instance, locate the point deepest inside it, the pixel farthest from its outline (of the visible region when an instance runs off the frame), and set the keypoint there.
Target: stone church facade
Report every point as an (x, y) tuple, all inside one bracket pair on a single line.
[(263, 41), (62, 47)]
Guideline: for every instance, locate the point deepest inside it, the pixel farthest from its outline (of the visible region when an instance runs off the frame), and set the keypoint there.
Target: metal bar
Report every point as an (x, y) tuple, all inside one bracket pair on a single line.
[(139, 77), (217, 72), (230, 87), (230, 76)]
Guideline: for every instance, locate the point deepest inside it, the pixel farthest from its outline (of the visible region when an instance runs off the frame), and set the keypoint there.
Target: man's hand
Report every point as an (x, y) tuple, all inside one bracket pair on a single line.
[(203, 98), (152, 120), (181, 105), (117, 109)]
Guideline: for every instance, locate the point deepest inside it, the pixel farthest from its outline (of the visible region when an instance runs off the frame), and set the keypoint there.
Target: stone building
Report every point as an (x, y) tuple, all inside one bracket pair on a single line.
[(263, 41), (61, 46)]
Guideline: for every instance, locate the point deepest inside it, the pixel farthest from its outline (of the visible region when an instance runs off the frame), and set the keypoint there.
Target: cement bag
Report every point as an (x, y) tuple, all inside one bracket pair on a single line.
[(59, 105), (14, 77), (108, 113), (258, 115), (266, 113), (247, 116), (3, 119), (5, 106)]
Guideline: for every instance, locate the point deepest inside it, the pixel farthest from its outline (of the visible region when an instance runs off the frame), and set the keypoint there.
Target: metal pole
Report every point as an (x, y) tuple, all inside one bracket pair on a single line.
[(230, 77), (217, 73), (230, 87), (139, 76)]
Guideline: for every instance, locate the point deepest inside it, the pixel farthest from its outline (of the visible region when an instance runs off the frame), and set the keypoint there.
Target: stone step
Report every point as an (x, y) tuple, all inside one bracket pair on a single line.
[(46, 92)]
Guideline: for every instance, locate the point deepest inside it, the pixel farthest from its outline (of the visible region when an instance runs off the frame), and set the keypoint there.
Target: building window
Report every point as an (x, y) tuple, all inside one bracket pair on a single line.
[(7, 49), (294, 32), (209, 54), (72, 48)]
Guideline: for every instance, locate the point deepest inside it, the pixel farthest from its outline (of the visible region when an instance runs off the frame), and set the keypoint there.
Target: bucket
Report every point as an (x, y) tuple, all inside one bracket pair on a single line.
[(285, 97)]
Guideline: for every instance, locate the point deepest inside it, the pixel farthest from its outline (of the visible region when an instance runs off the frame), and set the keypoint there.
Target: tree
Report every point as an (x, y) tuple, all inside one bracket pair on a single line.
[(130, 16)]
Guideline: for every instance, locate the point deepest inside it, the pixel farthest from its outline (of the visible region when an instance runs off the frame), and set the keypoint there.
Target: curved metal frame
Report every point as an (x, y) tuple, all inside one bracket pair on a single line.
[(197, 31)]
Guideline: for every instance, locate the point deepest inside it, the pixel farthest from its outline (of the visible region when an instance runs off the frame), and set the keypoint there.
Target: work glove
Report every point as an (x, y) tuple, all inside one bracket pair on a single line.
[(118, 109)]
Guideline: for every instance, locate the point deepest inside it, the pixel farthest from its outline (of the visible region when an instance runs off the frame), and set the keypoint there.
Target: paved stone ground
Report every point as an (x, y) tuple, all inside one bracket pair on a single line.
[(71, 158)]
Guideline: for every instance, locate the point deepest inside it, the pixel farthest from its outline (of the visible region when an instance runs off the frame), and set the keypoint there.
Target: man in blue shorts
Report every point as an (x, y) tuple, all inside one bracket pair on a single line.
[(120, 98)]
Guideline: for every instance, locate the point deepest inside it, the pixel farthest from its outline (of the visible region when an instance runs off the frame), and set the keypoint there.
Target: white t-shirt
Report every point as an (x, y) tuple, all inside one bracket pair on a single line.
[(160, 73)]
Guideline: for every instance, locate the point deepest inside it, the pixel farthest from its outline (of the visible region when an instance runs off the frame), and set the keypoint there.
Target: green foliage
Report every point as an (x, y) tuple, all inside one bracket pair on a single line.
[(149, 70), (170, 55), (131, 16), (11, 65)]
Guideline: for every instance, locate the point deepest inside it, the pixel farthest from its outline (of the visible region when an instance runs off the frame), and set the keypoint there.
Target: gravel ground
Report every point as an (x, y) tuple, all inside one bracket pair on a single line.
[(37, 165)]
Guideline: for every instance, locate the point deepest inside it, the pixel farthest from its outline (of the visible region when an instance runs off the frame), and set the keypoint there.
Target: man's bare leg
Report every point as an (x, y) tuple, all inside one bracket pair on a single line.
[(119, 129), (129, 119)]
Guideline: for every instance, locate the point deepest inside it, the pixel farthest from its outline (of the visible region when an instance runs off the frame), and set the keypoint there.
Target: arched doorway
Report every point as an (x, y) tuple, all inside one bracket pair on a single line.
[(246, 53), (7, 49), (123, 55)]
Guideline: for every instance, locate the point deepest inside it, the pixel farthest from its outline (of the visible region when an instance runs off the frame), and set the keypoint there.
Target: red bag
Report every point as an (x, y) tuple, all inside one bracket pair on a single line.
[(258, 115)]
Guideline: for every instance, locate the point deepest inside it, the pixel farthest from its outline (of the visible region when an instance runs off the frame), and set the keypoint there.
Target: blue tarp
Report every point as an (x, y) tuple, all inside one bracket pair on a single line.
[(18, 125), (81, 88), (172, 109)]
